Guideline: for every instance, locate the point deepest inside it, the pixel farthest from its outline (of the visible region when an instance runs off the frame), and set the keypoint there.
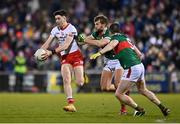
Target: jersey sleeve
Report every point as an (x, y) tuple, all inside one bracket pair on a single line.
[(108, 37), (115, 37), (53, 32), (74, 31), (94, 35), (119, 37)]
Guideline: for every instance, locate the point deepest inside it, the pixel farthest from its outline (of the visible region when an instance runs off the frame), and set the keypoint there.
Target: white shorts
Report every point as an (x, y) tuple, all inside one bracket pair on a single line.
[(111, 65), (135, 73)]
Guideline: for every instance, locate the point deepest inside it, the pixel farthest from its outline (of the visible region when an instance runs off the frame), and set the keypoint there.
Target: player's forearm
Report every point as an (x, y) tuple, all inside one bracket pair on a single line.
[(106, 49), (61, 48), (67, 42), (109, 47), (98, 43), (90, 42), (47, 43)]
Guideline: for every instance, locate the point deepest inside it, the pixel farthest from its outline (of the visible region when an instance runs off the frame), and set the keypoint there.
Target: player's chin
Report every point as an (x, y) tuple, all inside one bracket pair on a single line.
[(58, 23)]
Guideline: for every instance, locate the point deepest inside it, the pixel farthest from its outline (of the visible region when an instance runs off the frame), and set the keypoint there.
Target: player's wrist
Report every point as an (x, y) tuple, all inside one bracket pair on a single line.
[(100, 53), (53, 52)]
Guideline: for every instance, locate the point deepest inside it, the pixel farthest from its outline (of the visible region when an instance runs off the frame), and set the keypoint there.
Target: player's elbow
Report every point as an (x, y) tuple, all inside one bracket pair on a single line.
[(141, 56)]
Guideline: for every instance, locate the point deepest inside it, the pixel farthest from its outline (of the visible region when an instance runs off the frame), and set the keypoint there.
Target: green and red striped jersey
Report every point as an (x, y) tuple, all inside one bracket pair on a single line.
[(124, 51)]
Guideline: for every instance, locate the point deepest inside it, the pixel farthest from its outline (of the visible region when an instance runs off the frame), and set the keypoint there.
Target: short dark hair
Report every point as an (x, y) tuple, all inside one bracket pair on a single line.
[(103, 19), (114, 28), (60, 12)]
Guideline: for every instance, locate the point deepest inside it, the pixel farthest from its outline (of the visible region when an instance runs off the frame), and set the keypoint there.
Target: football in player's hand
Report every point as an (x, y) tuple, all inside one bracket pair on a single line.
[(38, 54), (81, 38)]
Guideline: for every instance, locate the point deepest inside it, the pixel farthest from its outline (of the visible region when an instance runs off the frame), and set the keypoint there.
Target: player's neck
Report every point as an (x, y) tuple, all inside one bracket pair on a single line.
[(104, 30), (64, 26)]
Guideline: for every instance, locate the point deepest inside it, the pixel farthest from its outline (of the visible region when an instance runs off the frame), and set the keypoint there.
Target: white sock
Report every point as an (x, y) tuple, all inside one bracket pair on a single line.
[(69, 97)]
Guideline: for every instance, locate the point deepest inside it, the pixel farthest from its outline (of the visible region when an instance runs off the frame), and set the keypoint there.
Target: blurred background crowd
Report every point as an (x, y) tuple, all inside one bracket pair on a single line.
[(153, 25)]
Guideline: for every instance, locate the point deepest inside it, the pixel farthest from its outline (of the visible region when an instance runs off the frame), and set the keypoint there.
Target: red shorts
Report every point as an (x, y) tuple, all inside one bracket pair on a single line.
[(74, 58)]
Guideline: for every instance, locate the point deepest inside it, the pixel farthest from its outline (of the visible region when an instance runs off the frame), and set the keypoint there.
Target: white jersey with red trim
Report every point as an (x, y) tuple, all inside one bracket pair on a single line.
[(61, 35)]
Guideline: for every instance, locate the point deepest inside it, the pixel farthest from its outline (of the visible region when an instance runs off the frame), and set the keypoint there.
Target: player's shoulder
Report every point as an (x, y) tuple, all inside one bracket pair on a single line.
[(55, 28), (119, 37), (72, 29), (107, 31), (71, 26), (115, 36)]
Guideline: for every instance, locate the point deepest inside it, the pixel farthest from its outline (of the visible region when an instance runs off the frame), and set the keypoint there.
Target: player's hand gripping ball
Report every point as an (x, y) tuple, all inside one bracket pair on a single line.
[(39, 54)]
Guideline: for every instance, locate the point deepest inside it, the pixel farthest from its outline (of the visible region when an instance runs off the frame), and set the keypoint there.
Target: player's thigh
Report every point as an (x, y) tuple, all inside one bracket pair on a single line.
[(141, 85), (79, 74), (66, 72), (106, 78), (117, 75), (124, 86)]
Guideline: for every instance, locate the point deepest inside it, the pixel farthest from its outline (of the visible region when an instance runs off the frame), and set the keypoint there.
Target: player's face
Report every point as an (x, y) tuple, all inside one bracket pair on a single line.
[(60, 20), (99, 26)]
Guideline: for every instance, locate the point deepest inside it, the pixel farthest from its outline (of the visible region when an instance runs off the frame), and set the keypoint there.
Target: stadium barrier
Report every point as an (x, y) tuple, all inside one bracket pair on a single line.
[(51, 82)]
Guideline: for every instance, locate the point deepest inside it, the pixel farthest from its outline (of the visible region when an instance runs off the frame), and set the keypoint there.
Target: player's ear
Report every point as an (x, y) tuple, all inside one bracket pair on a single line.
[(64, 17)]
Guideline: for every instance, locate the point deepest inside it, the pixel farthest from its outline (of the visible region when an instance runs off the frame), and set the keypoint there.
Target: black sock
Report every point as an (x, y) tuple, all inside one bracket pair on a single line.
[(161, 106)]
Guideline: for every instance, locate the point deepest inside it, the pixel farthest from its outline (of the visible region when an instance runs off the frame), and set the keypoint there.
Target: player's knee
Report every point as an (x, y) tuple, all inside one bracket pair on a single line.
[(118, 94), (66, 80), (142, 91)]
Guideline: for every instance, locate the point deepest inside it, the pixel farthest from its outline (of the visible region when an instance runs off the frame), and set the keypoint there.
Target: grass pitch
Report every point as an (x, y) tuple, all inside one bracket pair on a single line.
[(92, 108)]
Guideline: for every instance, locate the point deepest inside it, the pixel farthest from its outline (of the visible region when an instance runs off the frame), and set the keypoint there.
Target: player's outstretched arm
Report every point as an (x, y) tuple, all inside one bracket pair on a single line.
[(45, 46), (99, 43), (138, 52), (107, 48)]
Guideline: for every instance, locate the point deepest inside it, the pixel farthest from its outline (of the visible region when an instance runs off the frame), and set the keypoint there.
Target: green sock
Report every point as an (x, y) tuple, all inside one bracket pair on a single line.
[(161, 106)]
